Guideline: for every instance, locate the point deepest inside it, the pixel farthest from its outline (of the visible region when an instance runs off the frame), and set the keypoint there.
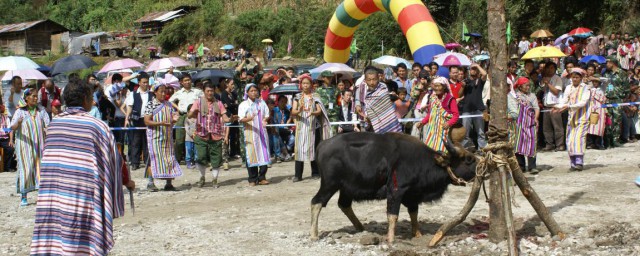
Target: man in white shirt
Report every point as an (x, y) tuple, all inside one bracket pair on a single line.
[(15, 94), (116, 93), (183, 97), (523, 46), (552, 125), (136, 102)]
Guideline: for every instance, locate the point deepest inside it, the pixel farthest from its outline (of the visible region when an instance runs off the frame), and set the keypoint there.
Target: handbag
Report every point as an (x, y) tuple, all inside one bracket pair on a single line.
[(593, 118)]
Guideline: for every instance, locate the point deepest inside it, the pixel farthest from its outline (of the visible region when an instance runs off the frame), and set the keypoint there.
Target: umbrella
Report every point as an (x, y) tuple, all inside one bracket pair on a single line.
[(72, 63), (17, 63), (25, 74), (480, 57), (169, 80), (391, 61), (559, 40), (166, 63), (542, 33), (580, 31), (588, 58), (286, 89), (452, 59), (543, 52), (227, 47), (473, 35), (120, 64), (212, 74), (44, 69), (268, 41), (206, 49), (335, 68), (584, 35), (451, 46), (152, 48)]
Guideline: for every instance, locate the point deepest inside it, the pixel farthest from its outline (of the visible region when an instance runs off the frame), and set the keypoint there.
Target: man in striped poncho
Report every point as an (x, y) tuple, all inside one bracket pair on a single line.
[(374, 104), (81, 180)]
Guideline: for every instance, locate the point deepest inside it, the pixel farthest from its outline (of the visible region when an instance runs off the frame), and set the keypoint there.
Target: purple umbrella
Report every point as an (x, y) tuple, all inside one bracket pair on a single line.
[(559, 40), (452, 59), (25, 74), (451, 46)]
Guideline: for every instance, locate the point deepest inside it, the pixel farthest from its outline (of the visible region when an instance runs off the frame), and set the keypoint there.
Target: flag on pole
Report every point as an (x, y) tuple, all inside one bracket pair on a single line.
[(509, 32), (201, 50), (289, 47), (465, 31), (354, 47)]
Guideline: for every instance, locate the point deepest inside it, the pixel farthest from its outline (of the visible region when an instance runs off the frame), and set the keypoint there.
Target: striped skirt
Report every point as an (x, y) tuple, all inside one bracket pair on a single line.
[(577, 138)]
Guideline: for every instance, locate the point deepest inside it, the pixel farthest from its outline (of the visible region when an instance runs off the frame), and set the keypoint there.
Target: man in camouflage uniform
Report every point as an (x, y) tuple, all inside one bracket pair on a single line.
[(242, 77), (615, 88), (329, 96)]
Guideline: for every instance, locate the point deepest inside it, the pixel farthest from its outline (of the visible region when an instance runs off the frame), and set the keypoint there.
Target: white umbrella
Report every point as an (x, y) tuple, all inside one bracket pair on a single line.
[(17, 63), (335, 68), (391, 61), (25, 74)]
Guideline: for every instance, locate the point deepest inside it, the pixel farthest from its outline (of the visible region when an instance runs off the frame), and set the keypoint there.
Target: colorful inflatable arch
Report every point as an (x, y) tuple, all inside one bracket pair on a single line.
[(413, 17)]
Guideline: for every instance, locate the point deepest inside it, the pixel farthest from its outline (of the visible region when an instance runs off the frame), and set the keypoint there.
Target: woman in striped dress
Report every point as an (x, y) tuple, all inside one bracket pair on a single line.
[(523, 113), (159, 117), (312, 126), (442, 114), (254, 114), (576, 101), (596, 131), (29, 123)]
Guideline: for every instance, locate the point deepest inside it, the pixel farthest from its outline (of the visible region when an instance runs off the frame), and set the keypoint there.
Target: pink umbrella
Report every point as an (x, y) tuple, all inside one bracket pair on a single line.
[(452, 59), (120, 64), (166, 63), (170, 80), (451, 46), (25, 74)]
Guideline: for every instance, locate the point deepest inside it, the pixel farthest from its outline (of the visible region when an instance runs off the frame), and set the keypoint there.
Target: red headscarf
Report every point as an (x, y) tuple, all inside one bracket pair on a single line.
[(520, 81), (302, 77)]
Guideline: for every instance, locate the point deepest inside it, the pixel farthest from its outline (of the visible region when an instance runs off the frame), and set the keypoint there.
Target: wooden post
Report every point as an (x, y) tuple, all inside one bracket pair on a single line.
[(498, 124)]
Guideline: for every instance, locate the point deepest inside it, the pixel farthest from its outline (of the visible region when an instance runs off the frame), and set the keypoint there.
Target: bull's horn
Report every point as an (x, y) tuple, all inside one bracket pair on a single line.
[(453, 151)]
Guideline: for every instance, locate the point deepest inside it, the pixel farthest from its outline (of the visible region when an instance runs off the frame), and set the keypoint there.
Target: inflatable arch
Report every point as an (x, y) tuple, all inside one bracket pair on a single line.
[(413, 17)]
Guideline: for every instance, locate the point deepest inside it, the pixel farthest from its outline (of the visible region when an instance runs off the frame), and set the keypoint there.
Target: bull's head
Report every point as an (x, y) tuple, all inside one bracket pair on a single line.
[(462, 162)]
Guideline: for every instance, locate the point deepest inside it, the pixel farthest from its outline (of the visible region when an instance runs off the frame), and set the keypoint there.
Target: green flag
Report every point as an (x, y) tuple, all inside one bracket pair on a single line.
[(465, 31), (354, 47), (509, 32), (201, 50)]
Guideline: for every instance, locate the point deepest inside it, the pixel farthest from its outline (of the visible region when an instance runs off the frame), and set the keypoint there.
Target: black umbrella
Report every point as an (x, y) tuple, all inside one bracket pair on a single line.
[(212, 74), (473, 34), (286, 89), (72, 63)]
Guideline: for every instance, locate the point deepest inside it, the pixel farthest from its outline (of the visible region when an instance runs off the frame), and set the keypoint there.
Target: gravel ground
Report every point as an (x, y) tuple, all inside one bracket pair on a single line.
[(597, 208)]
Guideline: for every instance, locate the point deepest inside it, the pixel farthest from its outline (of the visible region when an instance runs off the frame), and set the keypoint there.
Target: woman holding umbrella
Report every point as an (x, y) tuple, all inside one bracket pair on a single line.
[(308, 112), (29, 123)]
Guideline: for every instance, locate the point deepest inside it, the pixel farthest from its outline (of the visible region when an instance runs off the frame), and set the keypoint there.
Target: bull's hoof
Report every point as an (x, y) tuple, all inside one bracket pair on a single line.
[(417, 234), (359, 228), (390, 240), (315, 238)]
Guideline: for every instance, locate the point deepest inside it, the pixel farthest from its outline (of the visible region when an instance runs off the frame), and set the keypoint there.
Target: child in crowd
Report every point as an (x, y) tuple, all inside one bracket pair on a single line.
[(402, 105), (284, 138), (190, 130), (6, 138), (347, 114)]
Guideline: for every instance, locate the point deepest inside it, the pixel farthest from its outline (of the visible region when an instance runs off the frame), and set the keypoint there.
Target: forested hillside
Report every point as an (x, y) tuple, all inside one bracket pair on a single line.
[(304, 22)]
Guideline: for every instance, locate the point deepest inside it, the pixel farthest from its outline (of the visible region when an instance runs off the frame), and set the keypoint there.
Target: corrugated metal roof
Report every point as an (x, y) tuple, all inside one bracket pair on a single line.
[(161, 16), (19, 26)]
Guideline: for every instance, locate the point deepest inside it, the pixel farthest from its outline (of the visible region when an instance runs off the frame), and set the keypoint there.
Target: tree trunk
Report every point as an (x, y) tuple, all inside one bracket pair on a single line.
[(498, 123)]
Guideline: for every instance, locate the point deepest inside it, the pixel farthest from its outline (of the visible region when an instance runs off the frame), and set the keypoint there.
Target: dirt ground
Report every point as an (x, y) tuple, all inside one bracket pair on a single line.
[(598, 209)]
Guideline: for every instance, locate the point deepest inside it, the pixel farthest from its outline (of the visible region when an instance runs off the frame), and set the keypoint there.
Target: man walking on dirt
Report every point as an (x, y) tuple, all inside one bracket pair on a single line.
[(183, 97)]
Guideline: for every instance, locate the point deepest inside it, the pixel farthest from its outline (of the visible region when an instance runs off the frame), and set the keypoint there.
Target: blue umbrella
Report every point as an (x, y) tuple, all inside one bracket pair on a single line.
[(72, 63), (44, 68), (597, 58), (227, 47), (473, 34)]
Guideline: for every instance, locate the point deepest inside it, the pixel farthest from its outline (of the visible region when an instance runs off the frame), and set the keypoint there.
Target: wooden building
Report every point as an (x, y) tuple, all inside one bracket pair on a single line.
[(152, 23), (30, 38)]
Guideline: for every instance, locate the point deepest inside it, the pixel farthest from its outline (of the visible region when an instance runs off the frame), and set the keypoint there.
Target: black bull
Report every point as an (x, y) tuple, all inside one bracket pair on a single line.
[(368, 166)]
